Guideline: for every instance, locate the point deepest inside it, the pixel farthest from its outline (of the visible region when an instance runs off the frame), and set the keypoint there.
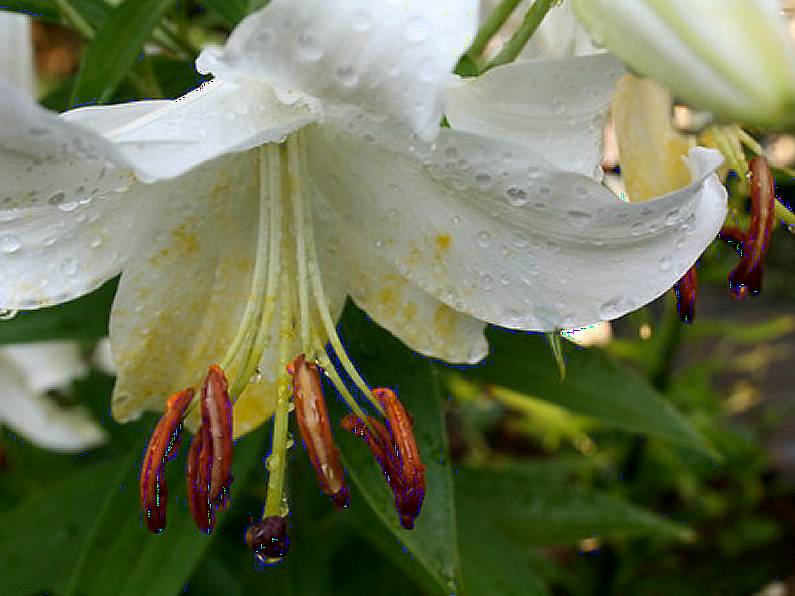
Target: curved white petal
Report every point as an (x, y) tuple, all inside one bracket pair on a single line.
[(559, 35), (392, 57), (16, 50), (555, 107), (419, 320), (733, 57), (179, 301), (45, 160), (47, 365), (495, 231), (163, 139), (27, 412)]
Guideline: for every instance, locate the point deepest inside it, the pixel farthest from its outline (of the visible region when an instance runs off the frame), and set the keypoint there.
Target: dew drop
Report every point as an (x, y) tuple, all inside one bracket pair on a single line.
[(484, 239), (68, 206), (9, 243), (6, 314), (308, 48), (578, 218), (347, 76), (665, 263), (416, 30), (57, 198), (516, 196)]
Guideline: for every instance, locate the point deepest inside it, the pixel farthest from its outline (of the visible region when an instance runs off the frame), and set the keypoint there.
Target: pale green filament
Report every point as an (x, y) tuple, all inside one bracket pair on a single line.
[(300, 223), (316, 282)]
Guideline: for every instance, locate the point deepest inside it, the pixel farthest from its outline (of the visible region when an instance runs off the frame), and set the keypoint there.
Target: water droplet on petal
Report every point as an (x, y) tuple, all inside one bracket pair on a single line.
[(484, 239), (10, 243)]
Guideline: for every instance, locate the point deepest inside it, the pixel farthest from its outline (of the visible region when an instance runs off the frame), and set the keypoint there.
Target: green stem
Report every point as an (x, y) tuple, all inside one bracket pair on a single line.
[(70, 14), (514, 46), (493, 24)]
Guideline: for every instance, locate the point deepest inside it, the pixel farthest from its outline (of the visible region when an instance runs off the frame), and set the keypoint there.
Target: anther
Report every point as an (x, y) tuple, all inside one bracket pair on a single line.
[(686, 290), (268, 539), (752, 245), (162, 447), (395, 449), (210, 457), (313, 422)]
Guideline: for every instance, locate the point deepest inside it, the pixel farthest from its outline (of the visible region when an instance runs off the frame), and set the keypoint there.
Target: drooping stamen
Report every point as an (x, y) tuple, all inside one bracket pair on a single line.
[(400, 426), (210, 458), (313, 421), (318, 292), (198, 477), (752, 245), (268, 539), (162, 447), (395, 450), (686, 290)]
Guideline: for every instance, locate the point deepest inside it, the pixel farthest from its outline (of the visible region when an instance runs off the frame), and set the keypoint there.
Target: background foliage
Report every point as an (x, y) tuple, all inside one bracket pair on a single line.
[(662, 464)]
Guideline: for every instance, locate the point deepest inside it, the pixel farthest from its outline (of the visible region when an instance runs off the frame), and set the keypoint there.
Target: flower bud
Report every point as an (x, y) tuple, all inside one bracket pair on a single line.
[(733, 58)]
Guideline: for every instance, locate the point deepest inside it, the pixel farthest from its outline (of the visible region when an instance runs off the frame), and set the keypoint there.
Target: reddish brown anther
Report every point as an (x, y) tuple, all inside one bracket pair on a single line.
[(313, 422), (210, 458), (752, 245), (686, 290), (162, 447), (395, 450)]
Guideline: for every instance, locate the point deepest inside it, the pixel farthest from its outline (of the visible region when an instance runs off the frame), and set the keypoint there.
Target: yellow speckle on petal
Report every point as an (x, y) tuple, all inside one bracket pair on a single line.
[(443, 242)]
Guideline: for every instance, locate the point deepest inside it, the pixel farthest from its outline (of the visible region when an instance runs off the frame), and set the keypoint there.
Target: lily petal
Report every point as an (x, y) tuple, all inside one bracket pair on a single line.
[(525, 245), (391, 57), (163, 139), (558, 105), (734, 58), (180, 301), (16, 50), (26, 411), (411, 314)]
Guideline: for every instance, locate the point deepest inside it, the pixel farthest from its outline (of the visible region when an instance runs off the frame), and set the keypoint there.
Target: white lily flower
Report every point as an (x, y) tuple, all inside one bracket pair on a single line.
[(732, 57), (312, 168), (27, 373), (16, 50)]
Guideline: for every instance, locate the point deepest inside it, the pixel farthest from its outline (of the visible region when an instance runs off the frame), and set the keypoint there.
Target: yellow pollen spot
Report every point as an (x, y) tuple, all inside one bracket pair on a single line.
[(443, 241)]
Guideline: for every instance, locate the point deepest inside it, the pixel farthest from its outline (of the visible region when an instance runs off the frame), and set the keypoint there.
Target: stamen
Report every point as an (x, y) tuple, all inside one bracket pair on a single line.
[(313, 421), (162, 447), (301, 226), (747, 276), (686, 289), (268, 307), (210, 457), (395, 450), (400, 426), (321, 303), (268, 539)]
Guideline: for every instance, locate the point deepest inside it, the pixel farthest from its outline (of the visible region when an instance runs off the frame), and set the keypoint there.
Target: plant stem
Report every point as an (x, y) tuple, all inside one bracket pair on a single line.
[(493, 24), (514, 46), (73, 18)]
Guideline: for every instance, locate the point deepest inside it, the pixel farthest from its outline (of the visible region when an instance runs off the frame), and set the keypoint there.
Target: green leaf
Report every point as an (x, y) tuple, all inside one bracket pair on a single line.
[(51, 527), (523, 505), (115, 48), (231, 11), (84, 319), (493, 564), (93, 11), (122, 554), (596, 386), (384, 361)]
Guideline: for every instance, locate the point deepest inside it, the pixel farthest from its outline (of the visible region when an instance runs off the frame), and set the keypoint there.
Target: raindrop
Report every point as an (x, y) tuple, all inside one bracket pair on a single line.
[(483, 179), (484, 239), (68, 206), (578, 218), (486, 282), (516, 196), (636, 229), (665, 263), (347, 76), (6, 314), (308, 48), (57, 198), (9, 243), (360, 22), (416, 30)]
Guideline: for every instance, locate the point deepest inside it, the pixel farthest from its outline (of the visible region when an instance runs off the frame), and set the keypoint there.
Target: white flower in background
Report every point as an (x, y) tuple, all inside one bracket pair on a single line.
[(732, 57), (313, 167), (28, 372)]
